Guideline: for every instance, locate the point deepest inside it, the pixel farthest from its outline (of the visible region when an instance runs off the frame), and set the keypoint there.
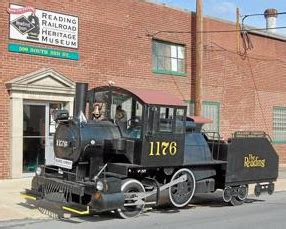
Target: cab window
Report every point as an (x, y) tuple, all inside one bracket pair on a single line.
[(127, 113), (180, 121), (166, 119)]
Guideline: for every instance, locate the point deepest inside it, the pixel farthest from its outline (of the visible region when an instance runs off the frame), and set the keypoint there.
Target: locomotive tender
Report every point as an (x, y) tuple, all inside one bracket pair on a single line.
[(127, 148)]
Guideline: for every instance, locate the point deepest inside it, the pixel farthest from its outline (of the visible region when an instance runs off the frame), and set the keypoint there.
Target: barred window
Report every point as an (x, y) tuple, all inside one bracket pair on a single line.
[(168, 58), (279, 124)]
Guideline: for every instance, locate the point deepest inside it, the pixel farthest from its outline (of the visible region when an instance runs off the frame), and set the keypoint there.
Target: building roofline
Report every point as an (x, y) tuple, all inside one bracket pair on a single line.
[(168, 6), (276, 36)]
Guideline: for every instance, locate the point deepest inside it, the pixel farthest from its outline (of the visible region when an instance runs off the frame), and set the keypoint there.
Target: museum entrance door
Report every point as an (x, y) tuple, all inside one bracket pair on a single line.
[(38, 131)]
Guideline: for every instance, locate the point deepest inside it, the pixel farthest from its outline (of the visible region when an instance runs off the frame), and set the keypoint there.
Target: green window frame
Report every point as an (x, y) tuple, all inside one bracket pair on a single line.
[(210, 110), (168, 58), (279, 124)]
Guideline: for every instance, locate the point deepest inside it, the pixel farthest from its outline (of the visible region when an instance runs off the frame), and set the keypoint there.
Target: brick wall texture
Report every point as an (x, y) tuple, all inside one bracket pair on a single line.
[(115, 43)]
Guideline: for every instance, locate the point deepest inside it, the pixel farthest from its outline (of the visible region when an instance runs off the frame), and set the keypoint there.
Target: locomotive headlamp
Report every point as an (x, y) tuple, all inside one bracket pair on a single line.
[(39, 171), (99, 185), (92, 142)]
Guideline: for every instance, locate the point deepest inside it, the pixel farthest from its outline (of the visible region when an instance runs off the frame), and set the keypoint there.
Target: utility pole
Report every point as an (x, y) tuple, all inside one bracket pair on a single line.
[(237, 30), (199, 58)]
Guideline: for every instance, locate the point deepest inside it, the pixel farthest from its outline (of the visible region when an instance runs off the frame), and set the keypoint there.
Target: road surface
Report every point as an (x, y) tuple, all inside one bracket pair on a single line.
[(206, 212)]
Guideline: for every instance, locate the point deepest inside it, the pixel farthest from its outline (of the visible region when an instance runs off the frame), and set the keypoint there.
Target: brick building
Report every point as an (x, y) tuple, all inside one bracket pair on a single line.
[(133, 43)]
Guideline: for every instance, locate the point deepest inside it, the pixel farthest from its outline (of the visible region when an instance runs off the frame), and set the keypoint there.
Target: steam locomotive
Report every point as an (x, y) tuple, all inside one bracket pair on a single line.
[(127, 148)]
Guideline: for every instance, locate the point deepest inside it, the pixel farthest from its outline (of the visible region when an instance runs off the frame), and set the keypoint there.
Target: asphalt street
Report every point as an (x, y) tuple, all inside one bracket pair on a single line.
[(205, 212)]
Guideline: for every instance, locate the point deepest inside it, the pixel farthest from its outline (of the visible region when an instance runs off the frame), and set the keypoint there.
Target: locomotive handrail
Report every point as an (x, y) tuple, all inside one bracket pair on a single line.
[(214, 138), (98, 174), (252, 134)]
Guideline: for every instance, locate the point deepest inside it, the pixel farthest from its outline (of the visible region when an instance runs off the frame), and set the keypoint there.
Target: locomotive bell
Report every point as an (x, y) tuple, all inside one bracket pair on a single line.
[(60, 115)]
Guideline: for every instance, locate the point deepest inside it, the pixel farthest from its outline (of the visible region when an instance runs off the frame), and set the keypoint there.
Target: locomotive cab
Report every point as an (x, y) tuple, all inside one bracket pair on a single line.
[(153, 121)]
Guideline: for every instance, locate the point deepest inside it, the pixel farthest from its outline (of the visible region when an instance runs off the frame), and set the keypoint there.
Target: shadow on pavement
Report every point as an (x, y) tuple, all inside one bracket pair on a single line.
[(201, 200)]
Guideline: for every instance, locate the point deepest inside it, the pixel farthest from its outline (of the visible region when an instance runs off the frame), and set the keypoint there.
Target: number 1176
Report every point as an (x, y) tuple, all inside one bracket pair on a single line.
[(163, 148)]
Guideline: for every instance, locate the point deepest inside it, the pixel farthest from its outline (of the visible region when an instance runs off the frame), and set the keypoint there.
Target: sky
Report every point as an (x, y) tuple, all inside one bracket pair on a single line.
[(226, 9)]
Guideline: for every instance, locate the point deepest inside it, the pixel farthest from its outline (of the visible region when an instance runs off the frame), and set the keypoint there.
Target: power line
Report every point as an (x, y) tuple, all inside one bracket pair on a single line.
[(214, 31)]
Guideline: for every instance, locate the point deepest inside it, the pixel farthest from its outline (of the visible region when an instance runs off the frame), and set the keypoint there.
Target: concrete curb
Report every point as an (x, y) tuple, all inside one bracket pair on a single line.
[(13, 208)]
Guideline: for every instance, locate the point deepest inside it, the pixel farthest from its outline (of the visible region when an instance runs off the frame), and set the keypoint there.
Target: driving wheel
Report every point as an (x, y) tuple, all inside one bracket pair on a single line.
[(129, 210), (181, 194)]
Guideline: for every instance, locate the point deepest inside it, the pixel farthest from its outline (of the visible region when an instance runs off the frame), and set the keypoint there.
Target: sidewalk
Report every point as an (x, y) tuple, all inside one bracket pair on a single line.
[(12, 204)]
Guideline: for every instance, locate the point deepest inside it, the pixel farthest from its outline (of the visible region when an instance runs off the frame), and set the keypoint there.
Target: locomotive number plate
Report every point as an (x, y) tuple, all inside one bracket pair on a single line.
[(63, 163), (163, 148)]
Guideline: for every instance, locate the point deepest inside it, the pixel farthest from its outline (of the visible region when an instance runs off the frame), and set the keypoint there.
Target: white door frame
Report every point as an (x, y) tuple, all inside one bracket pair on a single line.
[(42, 86)]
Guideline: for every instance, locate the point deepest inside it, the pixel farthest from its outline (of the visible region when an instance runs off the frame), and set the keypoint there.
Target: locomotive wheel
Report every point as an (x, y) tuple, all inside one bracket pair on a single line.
[(227, 194), (131, 185), (242, 192), (181, 194), (270, 189), (235, 201), (257, 190)]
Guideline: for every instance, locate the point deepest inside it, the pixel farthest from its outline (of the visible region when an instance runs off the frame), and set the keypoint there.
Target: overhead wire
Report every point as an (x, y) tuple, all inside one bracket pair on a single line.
[(214, 31)]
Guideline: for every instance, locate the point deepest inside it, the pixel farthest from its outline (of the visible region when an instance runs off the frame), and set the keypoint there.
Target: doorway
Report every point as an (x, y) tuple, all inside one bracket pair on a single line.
[(38, 131)]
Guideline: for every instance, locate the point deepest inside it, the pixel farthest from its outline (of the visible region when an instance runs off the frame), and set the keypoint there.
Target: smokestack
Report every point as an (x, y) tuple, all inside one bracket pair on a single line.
[(80, 99), (270, 16)]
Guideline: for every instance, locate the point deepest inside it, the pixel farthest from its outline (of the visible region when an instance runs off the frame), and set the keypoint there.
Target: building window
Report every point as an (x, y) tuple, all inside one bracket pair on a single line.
[(279, 124), (211, 110), (168, 58)]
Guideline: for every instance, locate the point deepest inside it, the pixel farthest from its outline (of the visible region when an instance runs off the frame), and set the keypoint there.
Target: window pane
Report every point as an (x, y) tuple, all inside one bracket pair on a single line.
[(181, 65), (161, 63), (181, 52), (159, 49), (279, 124), (168, 57), (155, 62), (175, 65), (174, 51), (167, 64)]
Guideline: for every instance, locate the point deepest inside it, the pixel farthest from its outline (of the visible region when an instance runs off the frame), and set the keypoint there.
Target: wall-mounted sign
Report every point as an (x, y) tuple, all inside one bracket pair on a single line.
[(34, 25), (32, 50)]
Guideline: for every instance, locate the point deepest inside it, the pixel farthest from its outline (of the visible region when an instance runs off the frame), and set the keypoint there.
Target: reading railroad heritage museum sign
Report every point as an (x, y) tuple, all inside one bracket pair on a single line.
[(45, 27)]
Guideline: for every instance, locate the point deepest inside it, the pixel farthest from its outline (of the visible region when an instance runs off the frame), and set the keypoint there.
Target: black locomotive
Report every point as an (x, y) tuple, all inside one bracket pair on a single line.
[(127, 148)]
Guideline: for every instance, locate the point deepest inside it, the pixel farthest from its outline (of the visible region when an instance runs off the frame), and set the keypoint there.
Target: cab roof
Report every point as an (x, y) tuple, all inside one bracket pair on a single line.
[(148, 96)]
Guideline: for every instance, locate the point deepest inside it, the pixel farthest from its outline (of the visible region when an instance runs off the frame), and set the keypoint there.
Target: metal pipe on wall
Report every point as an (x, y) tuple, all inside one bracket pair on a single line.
[(199, 58)]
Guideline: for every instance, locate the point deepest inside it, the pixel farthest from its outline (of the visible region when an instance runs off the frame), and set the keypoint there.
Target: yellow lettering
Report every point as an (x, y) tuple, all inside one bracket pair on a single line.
[(165, 146), (158, 149), (252, 161), (173, 148), (151, 149)]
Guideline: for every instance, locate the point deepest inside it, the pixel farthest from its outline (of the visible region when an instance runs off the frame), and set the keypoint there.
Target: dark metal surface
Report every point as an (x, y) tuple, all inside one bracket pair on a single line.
[(250, 160), (158, 157), (80, 99), (79, 136)]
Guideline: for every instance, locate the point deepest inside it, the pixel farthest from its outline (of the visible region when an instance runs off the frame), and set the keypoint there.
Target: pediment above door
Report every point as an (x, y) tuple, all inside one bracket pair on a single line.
[(43, 81)]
